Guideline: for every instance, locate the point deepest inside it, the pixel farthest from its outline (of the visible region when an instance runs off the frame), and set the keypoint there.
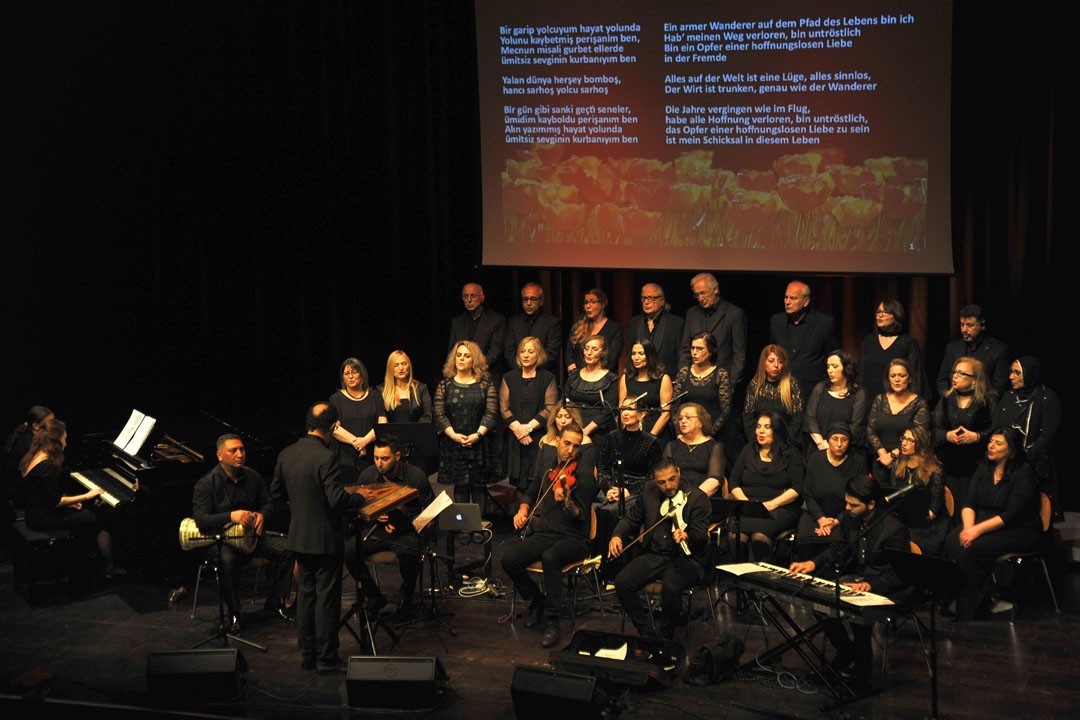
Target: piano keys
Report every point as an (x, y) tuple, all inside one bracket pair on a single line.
[(814, 593), (117, 488)]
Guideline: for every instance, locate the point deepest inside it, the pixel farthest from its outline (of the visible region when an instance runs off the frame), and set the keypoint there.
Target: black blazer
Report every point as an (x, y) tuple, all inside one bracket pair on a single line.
[(546, 327), (666, 336), (727, 323), (808, 360), (489, 335), (307, 477)]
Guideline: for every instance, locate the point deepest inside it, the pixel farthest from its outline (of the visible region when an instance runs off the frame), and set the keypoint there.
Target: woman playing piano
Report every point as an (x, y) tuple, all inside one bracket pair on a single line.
[(38, 491)]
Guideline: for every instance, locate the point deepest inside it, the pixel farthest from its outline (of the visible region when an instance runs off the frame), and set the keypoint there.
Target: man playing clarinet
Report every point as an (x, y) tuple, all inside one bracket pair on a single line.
[(673, 521)]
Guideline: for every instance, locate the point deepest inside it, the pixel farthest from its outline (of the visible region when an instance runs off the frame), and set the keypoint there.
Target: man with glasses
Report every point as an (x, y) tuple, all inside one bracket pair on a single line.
[(534, 322), (484, 327), (657, 324), (974, 342)]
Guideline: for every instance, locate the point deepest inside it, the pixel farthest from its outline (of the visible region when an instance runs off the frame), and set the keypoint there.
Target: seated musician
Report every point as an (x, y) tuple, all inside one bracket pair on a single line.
[(624, 466), (557, 532), (39, 491), (234, 494), (675, 550), (857, 552), (391, 531)]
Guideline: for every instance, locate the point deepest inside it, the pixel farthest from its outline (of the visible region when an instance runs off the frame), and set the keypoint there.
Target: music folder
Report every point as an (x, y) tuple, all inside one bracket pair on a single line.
[(440, 503)]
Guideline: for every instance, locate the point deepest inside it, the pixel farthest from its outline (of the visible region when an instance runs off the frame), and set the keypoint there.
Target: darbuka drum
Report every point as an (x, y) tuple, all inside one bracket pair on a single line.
[(240, 537)]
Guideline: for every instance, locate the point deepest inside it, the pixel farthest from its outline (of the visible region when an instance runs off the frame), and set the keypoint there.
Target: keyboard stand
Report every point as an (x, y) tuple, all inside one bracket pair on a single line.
[(801, 641)]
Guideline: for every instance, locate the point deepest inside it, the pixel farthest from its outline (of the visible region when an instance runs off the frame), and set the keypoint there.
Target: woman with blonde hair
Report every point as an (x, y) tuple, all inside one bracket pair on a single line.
[(774, 389), (962, 422), (466, 412), (405, 399), (526, 395)]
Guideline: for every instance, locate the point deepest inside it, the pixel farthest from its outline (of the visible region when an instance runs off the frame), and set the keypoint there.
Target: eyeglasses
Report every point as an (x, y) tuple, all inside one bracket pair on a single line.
[(688, 417), (883, 312), (962, 373), (530, 298), (350, 373), (592, 302), (651, 298)]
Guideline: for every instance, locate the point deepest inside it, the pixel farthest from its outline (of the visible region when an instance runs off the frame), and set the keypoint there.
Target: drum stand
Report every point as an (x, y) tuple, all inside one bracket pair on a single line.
[(222, 631)]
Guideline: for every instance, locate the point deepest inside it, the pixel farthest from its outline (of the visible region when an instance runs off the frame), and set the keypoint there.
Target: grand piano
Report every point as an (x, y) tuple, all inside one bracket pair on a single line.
[(178, 451)]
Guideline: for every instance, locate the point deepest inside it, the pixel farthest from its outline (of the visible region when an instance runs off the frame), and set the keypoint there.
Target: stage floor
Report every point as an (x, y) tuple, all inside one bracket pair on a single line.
[(92, 654)]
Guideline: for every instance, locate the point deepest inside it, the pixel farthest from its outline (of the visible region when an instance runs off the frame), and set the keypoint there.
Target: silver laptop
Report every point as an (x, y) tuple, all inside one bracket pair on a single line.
[(461, 517)]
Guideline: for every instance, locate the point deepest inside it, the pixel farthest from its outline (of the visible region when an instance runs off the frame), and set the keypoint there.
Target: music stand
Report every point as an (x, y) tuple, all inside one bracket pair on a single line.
[(418, 441), (359, 610), (724, 508), (430, 615), (222, 632), (936, 578)]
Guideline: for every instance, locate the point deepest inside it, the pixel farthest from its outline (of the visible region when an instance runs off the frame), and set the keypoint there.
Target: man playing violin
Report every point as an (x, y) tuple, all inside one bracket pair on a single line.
[(555, 517), (673, 520)]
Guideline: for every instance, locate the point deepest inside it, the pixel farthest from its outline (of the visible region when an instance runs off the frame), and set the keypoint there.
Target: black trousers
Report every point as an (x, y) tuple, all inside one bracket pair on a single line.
[(675, 573), (554, 552)]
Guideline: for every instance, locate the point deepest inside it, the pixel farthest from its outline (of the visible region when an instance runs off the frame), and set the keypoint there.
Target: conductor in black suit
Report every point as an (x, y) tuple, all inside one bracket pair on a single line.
[(721, 319), (807, 335), (658, 325), (307, 477), (484, 327), (534, 322)]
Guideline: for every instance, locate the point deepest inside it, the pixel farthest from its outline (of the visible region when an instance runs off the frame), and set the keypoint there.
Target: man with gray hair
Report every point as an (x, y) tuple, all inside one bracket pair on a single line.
[(718, 317)]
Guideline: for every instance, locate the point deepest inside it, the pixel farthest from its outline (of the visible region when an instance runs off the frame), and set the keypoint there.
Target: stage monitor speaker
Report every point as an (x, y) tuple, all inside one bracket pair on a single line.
[(194, 676), (542, 694), (396, 683)]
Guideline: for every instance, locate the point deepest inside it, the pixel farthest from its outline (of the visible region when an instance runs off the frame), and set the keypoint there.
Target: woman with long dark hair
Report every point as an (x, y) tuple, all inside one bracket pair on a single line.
[(647, 383), (917, 465), (770, 471), (999, 515), (592, 323), (885, 343)]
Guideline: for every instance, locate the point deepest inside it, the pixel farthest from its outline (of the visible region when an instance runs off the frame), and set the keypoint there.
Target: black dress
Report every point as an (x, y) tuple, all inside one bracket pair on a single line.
[(698, 462), (613, 344), (928, 534), (823, 409), (466, 408), (408, 411), (874, 361), (769, 400), (595, 399), (823, 492), (525, 399), (651, 390), (358, 417), (711, 391), (884, 430), (762, 481), (959, 461)]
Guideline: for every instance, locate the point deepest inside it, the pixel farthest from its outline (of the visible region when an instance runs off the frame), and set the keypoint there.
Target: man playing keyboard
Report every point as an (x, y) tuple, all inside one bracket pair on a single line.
[(857, 553)]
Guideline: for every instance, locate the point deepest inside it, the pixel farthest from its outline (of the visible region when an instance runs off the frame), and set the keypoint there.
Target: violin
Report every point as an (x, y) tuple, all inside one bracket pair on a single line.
[(566, 476)]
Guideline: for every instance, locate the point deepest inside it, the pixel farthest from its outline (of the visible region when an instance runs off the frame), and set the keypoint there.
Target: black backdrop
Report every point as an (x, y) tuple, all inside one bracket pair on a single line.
[(218, 202)]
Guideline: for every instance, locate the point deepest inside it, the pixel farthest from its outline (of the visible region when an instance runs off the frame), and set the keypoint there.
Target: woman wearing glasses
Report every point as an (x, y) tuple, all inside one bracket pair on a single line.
[(698, 455), (594, 321), (359, 409), (887, 342), (962, 422)]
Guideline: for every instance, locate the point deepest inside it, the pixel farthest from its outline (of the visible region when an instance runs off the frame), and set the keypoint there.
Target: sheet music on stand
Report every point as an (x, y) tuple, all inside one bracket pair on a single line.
[(135, 432), (432, 511)]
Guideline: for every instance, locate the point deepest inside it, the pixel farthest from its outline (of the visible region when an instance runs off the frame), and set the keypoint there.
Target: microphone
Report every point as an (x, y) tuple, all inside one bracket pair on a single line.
[(900, 493), (634, 400), (684, 393)]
